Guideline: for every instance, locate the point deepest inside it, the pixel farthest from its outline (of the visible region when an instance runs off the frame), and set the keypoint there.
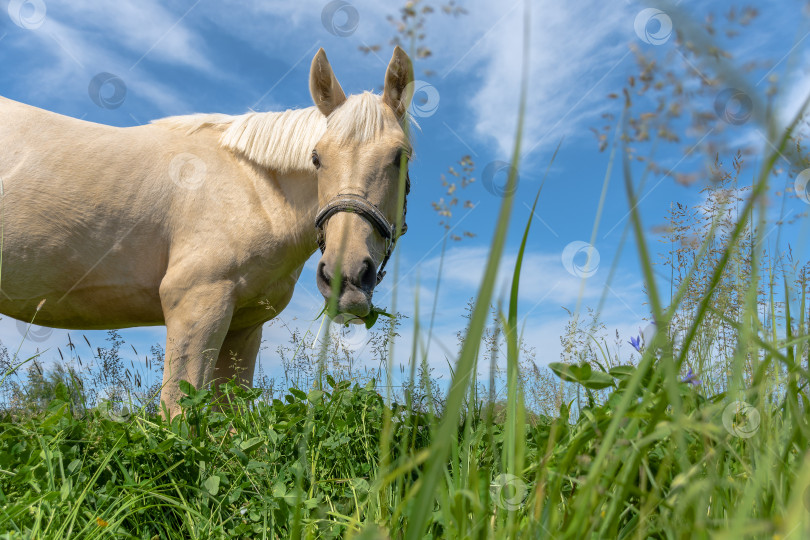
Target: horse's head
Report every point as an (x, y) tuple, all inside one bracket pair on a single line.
[(361, 163)]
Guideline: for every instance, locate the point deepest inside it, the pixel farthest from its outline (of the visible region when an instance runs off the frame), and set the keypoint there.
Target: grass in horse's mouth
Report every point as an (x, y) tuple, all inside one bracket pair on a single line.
[(345, 318)]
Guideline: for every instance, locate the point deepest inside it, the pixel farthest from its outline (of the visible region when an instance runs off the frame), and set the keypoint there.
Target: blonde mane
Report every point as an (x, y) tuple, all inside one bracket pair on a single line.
[(283, 141)]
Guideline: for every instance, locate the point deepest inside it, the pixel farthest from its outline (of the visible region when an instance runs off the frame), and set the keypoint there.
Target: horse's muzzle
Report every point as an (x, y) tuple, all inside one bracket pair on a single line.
[(356, 285)]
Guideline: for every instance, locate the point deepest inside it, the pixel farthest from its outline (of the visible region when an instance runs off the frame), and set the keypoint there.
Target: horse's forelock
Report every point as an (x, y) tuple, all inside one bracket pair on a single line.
[(362, 118)]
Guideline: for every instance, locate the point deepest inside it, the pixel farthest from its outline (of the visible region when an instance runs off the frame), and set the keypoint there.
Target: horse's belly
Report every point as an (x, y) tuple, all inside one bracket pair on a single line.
[(91, 309), (83, 222), (88, 281)]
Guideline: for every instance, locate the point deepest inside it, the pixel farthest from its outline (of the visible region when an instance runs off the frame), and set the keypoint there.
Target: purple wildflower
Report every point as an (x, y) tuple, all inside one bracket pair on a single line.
[(691, 378), (636, 343)]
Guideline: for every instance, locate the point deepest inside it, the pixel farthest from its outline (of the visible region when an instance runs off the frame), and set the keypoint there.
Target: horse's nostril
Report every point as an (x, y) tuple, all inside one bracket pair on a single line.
[(322, 275), (324, 280), (368, 275)]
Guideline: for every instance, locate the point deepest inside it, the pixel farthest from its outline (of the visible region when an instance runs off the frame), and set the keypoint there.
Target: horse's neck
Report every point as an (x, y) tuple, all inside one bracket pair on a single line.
[(284, 178), (296, 208)]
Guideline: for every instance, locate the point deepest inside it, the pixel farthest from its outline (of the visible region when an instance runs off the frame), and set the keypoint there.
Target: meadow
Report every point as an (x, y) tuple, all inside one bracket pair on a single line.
[(703, 432)]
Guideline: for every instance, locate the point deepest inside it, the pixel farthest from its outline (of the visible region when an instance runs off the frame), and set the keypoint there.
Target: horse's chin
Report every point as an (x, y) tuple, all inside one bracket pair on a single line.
[(352, 307)]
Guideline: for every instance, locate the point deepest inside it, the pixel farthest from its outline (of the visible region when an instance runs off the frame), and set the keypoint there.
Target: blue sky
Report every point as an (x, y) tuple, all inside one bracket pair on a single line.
[(185, 56)]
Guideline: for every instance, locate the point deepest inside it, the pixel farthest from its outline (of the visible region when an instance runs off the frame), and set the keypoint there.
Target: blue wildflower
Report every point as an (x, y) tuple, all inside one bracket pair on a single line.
[(636, 343), (691, 378)]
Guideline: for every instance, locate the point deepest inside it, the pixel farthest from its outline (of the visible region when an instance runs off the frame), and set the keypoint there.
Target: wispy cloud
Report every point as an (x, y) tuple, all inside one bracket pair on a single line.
[(127, 30), (80, 39), (573, 47)]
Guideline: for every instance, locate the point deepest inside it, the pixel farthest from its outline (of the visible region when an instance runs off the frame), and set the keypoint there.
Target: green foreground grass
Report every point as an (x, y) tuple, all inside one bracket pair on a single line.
[(313, 466)]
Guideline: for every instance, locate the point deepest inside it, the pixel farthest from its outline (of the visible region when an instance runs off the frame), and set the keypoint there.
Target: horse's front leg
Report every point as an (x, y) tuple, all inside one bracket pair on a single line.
[(237, 357), (197, 319)]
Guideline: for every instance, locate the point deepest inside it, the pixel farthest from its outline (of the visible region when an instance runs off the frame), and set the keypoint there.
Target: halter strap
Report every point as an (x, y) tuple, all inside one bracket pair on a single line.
[(357, 204)]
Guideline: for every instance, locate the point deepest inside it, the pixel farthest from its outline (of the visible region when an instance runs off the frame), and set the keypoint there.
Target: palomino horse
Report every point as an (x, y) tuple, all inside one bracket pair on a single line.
[(203, 222)]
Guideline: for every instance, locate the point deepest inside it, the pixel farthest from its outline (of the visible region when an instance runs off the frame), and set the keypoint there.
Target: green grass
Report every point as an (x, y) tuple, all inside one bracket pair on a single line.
[(309, 465)]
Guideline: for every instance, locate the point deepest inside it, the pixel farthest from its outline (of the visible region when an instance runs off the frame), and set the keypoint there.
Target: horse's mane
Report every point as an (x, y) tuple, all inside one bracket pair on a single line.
[(283, 141)]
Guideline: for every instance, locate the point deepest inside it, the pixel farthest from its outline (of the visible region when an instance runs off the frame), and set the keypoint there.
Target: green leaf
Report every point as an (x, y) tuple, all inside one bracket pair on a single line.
[(598, 380), (235, 450), (64, 492), (251, 444), (61, 391), (187, 388), (74, 466), (294, 496), (622, 372), (234, 495), (211, 484), (582, 374), (563, 371), (370, 319)]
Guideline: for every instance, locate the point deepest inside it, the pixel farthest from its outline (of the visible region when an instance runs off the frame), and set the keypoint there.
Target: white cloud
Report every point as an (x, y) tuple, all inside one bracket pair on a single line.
[(142, 27), (93, 33), (573, 45), (795, 94), (80, 39)]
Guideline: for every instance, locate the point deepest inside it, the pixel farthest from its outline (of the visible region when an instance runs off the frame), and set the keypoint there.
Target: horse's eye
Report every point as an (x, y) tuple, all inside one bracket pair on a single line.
[(398, 158), (316, 160)]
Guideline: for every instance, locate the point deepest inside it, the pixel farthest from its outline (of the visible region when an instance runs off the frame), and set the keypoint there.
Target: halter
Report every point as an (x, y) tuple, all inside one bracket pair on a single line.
[(357, 204)]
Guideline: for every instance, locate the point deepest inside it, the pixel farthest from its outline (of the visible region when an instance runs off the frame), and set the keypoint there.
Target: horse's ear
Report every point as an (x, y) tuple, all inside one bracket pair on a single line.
[(398, 83), (324, 87)]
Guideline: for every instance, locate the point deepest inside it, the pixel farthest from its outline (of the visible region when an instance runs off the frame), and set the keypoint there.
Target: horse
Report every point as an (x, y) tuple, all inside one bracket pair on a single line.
[(202, 223)]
